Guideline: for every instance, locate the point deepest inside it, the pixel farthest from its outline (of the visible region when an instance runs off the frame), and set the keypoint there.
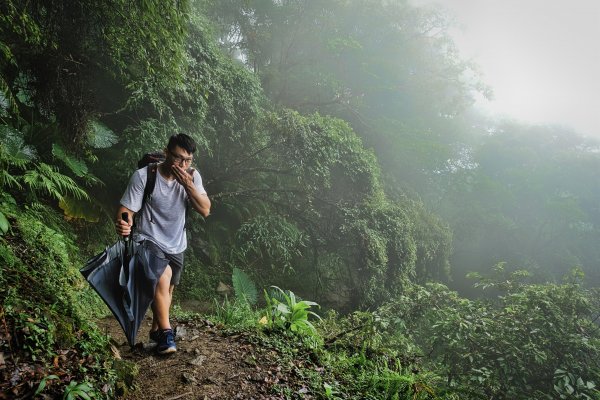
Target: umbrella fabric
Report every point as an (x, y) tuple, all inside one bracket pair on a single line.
[(125, 276)]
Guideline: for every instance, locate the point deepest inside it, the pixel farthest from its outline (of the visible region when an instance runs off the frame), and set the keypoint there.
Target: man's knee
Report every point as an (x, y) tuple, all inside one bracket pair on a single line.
[(165, 278)]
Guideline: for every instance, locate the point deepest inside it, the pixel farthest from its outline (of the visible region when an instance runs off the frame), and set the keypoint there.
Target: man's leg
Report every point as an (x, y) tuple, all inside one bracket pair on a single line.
[(162, 301), (154, 319)]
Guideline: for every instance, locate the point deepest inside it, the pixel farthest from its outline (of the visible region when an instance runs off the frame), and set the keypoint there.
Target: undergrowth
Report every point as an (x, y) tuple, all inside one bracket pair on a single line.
[(342, 358), (47, 341)]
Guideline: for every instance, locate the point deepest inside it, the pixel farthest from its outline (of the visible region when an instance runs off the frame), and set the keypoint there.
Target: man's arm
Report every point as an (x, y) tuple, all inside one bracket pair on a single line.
[(200, 201), (124, 228)]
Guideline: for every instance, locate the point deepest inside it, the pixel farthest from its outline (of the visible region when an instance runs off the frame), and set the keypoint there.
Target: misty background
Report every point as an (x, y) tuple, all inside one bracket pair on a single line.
[(540, 57)]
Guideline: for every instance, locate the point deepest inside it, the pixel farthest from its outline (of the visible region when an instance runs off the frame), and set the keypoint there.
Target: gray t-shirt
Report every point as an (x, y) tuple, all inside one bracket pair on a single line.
[(163, 218)]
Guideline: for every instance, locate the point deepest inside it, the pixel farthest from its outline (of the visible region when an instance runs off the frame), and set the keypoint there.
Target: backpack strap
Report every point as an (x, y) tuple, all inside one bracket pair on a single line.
[(151, 171)]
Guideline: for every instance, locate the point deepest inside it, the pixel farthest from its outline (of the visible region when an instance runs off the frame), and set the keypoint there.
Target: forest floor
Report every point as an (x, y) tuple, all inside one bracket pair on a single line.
[(208, 364)]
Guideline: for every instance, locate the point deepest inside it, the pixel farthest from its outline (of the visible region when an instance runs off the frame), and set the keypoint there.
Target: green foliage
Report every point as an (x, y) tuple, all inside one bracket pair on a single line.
[(180, 314), (285, 311), (511, 348), (20, 169), (14, 153), (100, 136), (244, 288), (80, 209), (135, 50), (514, 348), (4, 225), (48, 180), (525, 199), (77, 166), (303, 191), (388, 68), (42, 384), (45, 302), (390, 384), (270, 239), (297, 197), (78, 391), (236, 315), (507, 191), (567, 386)]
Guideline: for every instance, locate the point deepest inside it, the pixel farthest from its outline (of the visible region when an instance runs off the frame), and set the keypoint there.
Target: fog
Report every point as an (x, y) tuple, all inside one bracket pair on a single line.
[(540, 57)]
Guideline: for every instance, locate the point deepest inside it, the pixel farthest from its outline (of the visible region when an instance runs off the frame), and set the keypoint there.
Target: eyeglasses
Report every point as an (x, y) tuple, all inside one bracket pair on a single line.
[(180, 159)]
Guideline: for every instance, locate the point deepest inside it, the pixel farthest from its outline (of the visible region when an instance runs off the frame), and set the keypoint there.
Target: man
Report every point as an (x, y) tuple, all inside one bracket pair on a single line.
[(161, 222)]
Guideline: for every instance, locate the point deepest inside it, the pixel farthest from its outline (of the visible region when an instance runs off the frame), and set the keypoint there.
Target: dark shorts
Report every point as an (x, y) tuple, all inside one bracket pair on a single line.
[(175, 261)]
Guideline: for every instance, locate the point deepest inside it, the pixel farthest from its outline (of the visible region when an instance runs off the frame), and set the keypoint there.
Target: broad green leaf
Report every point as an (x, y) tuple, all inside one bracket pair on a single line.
[(42, 384), (74, 208), (13, 148), (100, 136), (243, 286), (4, 225)]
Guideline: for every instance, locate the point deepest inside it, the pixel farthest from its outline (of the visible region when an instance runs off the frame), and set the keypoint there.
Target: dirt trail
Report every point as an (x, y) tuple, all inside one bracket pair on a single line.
[(207, 365)]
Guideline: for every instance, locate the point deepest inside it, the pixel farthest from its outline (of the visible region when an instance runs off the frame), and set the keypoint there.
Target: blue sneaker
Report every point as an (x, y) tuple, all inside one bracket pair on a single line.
[(154, 336), (166, 342)]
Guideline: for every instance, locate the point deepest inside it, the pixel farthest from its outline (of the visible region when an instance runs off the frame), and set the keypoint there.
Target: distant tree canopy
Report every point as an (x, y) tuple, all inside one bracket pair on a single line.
[(387, 68), (510, 192), (528, 199)]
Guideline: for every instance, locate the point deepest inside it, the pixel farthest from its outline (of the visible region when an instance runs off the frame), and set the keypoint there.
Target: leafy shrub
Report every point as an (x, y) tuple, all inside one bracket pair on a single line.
[(507, 349), (285, 311)]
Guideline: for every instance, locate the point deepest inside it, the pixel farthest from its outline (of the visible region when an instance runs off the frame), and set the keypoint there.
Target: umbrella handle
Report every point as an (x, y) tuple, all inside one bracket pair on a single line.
[(125, 217)]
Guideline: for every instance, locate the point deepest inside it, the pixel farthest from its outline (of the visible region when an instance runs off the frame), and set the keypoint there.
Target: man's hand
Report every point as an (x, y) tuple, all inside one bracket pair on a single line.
[(122, 227), (200, 201), (183, 177)]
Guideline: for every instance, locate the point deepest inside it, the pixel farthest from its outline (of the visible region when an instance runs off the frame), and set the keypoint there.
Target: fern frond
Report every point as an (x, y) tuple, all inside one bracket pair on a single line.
[(47, 179), (9, 180), (78, 167)]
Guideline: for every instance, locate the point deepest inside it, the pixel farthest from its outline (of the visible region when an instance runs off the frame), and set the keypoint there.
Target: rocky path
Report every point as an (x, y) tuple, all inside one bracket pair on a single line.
[(207, 365)]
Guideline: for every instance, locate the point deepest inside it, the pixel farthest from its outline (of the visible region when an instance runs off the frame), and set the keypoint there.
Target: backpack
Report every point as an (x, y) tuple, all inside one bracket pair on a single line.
[(151, 161)]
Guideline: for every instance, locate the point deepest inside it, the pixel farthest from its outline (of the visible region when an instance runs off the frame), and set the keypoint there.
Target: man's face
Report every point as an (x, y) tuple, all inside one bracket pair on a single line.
[(180, 157)]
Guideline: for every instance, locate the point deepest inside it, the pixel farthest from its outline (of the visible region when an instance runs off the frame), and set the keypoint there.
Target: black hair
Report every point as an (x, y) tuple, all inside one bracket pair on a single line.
[(182, 140)]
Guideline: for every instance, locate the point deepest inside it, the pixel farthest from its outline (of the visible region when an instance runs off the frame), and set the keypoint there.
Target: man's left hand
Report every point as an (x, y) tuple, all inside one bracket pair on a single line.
[(183, 177)]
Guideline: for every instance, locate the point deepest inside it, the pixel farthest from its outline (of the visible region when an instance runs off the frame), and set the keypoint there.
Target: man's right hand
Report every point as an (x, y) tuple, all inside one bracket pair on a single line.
[(123, 228)]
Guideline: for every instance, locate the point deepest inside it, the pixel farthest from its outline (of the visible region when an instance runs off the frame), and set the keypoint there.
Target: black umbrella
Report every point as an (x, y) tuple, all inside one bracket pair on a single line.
[(125, 276)]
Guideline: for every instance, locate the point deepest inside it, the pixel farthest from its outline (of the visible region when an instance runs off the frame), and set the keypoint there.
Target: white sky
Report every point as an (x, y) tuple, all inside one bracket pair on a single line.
[(541, 57)]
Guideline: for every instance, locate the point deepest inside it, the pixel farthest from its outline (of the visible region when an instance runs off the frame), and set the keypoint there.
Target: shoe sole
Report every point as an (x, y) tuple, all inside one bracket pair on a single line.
[(167, 351)]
